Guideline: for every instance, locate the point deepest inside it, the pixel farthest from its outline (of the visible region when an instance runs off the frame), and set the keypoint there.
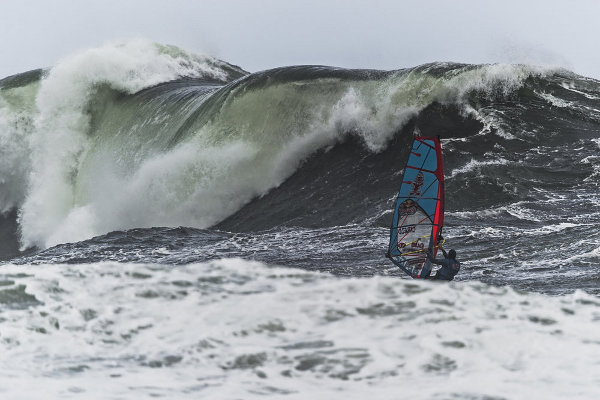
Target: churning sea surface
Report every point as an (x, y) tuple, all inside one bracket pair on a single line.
[(175, 227)]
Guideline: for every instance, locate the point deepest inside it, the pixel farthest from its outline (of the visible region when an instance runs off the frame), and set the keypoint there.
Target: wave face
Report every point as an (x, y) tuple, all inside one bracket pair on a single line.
[(135, 135)]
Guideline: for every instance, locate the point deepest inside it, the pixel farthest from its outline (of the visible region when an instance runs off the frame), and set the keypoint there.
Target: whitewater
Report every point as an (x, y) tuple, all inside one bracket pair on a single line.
[(174, 226)]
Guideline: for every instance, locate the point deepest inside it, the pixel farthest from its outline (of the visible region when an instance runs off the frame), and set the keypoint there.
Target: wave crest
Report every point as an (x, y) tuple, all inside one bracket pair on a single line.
[(135, 134)]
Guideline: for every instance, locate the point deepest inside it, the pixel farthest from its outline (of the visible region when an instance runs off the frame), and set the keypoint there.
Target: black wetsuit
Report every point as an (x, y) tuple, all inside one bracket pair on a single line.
[(450, 267)]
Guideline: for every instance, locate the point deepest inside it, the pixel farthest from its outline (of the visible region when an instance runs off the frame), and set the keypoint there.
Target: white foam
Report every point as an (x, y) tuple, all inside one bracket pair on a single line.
[(592, 255), (476, 165), (594, 161), (237, 329), (521, 210), (16, 108), (555, 101), (571, 86), (61, 140), (494, 79)]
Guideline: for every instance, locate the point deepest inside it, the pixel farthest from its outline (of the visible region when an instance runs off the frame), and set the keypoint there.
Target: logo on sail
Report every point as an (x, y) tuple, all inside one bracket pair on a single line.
[(408, 207), (417, 184)]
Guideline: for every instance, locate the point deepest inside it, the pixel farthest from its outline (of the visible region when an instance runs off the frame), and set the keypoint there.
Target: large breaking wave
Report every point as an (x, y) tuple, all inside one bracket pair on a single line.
[(135, 134)]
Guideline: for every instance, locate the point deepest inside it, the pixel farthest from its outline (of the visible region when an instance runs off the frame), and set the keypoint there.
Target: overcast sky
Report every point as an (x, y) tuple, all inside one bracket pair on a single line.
[(261, 34)]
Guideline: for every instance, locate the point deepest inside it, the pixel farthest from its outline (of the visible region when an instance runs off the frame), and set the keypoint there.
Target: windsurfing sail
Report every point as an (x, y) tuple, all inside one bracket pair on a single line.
[(419, 209)]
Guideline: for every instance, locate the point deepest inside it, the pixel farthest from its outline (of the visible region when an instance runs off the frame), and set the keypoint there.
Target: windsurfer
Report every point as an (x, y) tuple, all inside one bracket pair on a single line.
[(450, 265)]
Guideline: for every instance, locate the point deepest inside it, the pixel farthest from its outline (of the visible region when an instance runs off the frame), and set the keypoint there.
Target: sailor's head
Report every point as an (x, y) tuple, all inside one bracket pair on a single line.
[(452, 254)]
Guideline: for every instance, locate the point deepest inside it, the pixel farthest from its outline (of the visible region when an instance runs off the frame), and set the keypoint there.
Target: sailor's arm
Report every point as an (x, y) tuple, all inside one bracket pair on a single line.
[(432, 258), (444, 252)]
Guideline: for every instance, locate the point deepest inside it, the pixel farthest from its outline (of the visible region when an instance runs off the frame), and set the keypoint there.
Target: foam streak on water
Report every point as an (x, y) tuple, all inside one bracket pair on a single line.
[(237, 329)]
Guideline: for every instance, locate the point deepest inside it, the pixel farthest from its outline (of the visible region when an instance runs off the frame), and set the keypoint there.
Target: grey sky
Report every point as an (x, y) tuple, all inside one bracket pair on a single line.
[(261, 34)]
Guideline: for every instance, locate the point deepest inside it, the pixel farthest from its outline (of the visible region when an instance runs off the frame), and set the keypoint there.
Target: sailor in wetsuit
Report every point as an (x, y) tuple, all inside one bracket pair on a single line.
[(450, 266)]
